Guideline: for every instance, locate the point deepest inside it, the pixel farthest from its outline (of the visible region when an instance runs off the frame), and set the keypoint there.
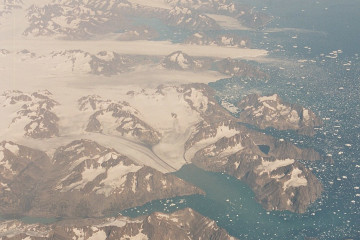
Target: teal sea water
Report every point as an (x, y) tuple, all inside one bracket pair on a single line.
[(317, 45)]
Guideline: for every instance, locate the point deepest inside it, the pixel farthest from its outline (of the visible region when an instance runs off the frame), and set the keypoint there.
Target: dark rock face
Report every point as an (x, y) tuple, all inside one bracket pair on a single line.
[(234, 67), (244, 14), (271, 111), (183, 224), (36, 110), (190, 18), (181, 61), (79, 20), (111, 116), (84, 179), (279, 181), (22, 172), (87, 179), (9, 6)]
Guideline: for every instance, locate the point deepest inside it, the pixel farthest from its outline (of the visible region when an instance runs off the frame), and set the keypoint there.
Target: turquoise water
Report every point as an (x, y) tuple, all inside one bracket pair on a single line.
[(324, 25), (328, 84), (232, 205)]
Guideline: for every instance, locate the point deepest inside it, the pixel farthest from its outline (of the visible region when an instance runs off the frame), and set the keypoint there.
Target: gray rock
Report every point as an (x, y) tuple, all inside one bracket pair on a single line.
[(22, 171), (239, 68), (183, 224), (88, 179), (181, 61), (37, 111), (120, 117), (271, 111), (191, 19)]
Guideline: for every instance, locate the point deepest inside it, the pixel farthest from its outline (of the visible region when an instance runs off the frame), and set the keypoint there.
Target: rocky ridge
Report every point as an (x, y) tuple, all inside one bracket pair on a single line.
[(181, 61), (244, 14), (120, 117), (272, 111), (35, 115), (199, 131), (22, 170), (82, 179), (188, 18), (183, 224)]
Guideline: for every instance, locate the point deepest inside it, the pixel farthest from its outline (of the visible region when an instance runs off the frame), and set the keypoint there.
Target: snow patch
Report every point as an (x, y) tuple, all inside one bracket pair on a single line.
[(12, 148), (269, 166), (295, 180)]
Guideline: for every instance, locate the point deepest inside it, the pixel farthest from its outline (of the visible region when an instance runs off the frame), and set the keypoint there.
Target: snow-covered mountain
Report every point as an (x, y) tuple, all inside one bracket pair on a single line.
[(173, 125), (34, 113), (181, 61), (244, 14), (120, 117), (117, 120), (271, 111), (82, 179), (279, 181), (75, 19), (187, 18), (22, 171)]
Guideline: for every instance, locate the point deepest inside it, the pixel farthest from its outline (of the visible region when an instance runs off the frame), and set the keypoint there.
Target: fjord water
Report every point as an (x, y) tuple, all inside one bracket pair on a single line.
[(317, 47), (232, 205), (317, 67)]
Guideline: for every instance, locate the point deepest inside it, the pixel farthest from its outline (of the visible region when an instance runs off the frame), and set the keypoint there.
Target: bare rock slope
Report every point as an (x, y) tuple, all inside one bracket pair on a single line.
[(180, 225)]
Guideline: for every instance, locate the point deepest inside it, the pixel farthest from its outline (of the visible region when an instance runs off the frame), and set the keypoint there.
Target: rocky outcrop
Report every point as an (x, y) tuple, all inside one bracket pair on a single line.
[(22, 171), (9, 5), (118, 117), (246, 15), (181, 61), (183, 224), (4, 52), (233, 67), (239, 68), (88, 179), (191, 19), (36, 115), (269, 166), (271, 111), (75, 20), (278, 180), (83, 179)]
